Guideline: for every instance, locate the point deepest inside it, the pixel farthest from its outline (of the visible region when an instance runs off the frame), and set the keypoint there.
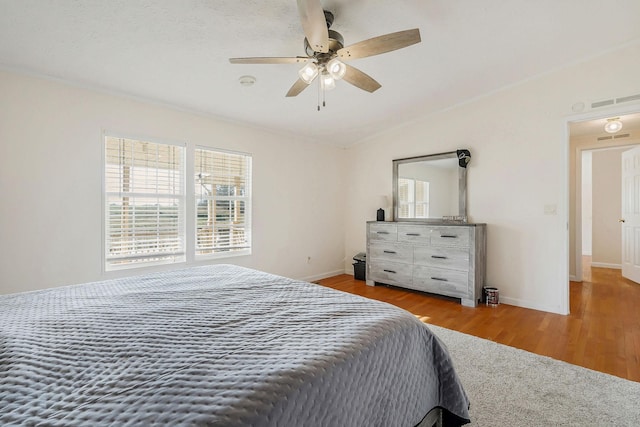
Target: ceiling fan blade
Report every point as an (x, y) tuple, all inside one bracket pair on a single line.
[(267, 60), (380, 44), (314, 24), (297, 87), (360, 79)]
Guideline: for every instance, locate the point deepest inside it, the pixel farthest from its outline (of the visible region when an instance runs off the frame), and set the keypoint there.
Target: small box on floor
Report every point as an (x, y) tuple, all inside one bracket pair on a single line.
[(360, 266)]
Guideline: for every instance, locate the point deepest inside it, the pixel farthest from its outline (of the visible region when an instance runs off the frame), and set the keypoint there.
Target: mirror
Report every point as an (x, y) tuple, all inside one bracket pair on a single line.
[(431, 188)]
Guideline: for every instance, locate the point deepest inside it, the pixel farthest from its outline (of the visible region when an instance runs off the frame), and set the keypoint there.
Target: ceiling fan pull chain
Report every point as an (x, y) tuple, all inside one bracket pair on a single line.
[(319, 89), (324, 104)]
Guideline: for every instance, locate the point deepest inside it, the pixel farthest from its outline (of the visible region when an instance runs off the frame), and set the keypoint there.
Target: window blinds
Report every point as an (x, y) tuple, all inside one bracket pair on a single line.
[(413, 198), (405, 198), (144, 203), (223, 199), (422, 199)]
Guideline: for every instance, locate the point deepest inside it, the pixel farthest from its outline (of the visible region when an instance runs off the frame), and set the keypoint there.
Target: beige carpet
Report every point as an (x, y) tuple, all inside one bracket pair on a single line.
[(512, 387)]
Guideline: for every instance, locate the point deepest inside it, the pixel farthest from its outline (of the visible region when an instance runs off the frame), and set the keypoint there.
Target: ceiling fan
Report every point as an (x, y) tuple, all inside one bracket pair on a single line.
[(326, 53)]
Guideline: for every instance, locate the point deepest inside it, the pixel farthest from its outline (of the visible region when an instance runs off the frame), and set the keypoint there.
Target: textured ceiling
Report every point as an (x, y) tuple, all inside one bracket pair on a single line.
[(176, 52)]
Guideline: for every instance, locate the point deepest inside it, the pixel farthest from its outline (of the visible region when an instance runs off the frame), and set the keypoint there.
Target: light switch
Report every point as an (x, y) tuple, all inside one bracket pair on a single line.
[(550, 209)]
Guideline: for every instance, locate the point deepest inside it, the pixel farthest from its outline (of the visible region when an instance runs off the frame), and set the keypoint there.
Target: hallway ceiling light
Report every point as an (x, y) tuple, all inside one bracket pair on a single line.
[(613, 125)]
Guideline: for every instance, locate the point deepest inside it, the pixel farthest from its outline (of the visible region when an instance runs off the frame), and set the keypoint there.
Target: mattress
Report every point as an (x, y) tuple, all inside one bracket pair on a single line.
[(218, 345)]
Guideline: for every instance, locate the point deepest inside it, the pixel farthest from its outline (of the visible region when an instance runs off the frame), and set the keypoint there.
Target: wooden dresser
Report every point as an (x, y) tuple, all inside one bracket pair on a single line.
[(445, 259)]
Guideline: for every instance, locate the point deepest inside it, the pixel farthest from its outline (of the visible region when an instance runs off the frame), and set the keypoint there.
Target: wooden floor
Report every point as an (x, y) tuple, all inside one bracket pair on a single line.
[(601, 333)]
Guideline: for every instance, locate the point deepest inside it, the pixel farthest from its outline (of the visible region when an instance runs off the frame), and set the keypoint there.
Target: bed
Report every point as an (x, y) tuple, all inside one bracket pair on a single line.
[(219, 345)]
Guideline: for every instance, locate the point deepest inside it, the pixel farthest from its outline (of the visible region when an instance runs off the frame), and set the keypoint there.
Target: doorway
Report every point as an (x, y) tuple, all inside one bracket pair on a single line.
[(601, 201), (588, 136)]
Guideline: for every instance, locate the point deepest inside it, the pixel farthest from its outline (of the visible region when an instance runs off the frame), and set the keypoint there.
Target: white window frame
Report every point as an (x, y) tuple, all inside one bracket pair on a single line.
[(188, 208), (179, 257), (247, 199), (411, 203)]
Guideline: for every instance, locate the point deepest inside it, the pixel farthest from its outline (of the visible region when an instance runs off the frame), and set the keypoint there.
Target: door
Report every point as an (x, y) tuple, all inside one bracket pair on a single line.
[(630, 220)]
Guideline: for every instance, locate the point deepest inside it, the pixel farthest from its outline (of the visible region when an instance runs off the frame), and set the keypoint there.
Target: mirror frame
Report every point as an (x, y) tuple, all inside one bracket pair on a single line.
[(464, 157)]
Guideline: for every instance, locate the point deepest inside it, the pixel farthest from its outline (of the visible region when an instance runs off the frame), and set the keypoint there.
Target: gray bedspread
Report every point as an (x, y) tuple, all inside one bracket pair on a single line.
[(217, 345)]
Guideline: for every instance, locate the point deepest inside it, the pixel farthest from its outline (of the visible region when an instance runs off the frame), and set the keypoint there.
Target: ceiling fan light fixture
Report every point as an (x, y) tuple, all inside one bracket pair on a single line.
[(308, 73), (613, 125), (328, 82), (336, 68)]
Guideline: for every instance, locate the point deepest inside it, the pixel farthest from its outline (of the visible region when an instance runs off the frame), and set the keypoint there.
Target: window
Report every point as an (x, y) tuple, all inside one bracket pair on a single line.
[(223, 203), (147, 210), (144, 203), (413, 198)]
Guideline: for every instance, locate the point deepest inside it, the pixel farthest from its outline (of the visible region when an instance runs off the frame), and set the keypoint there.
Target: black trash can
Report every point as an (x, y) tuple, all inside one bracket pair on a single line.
[(360, 266)]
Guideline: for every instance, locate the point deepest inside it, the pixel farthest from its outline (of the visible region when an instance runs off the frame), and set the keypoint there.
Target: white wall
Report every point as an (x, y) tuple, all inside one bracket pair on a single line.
[(518, 139), (50, 184), (587, 202), (607, 207)]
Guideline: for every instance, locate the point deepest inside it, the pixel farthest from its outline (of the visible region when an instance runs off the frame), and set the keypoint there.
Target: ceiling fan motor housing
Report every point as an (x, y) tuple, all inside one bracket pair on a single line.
[(336, 42)]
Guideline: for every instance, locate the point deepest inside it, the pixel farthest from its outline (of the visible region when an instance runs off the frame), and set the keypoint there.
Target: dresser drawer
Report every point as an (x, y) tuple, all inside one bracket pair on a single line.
[(391, 252), (450, 236), (414, 234), (391, 273), (441, 281), (383, 231), (456, 258)]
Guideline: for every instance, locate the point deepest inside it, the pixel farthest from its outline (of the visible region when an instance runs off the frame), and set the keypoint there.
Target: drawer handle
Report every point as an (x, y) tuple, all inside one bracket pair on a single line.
[(438, 257), (413, 234), (389, 271), (383, 232), (390, 252), (449, 236), (439, 279)]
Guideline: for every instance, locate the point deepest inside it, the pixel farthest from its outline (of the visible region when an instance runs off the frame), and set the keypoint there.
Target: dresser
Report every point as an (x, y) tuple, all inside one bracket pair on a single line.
[(444, 259)]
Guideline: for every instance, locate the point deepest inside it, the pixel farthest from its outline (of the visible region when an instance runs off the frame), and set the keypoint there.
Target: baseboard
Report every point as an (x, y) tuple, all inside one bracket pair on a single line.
[(322, 276), (528, 304), (573, 278), (606, 265)]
